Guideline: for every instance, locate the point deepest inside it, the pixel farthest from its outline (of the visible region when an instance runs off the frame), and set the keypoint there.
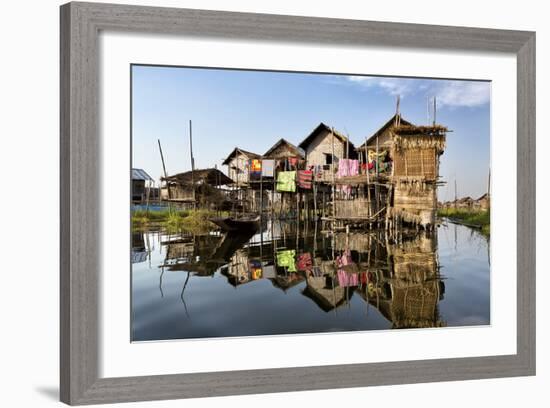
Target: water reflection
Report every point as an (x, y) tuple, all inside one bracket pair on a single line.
[(300, 279)]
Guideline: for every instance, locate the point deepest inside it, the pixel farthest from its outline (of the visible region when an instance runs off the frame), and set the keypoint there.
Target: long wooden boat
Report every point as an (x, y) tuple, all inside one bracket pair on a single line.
[(243, 223)]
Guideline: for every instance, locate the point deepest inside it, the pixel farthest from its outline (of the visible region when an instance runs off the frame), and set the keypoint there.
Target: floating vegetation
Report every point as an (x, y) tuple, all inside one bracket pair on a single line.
[(471, 218), (194, 221)]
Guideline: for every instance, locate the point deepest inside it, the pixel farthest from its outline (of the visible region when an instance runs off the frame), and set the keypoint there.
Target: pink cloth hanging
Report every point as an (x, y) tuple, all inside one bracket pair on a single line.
[(347, 279), (347, 167)]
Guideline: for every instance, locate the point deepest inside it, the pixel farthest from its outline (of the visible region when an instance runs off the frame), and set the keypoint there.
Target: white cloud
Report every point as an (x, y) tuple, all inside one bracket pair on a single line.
[(463, 93), (451, 93), (393, 86)]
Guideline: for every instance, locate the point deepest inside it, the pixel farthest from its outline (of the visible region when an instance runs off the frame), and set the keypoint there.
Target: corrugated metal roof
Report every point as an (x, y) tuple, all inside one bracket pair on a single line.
[(140, 174)]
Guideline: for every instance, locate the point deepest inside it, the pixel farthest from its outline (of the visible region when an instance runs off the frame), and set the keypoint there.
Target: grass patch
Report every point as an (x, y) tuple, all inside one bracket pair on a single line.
[(475, 218)]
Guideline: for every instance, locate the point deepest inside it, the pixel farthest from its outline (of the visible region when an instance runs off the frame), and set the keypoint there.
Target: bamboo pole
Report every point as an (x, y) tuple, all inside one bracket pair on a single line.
[(314, 198), (192, 164), (435, 110), (368, 179), (333, 183), (261, 194), (165, 177), (455, 192)]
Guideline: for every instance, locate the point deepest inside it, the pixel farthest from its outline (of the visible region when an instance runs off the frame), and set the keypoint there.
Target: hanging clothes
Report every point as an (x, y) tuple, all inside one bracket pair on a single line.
[(256, 165), (304, 262), (381, 155), (268, 168), (255, 269), (286, 181), (293, 161), (305, 178), (345, 190), (286, 259), (347, 279), (344, 259), (255, 169), (347, 167)]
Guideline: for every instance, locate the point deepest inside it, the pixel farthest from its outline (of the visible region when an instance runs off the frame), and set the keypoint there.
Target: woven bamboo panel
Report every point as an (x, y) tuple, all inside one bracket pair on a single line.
[(358, 208), (415, 162)]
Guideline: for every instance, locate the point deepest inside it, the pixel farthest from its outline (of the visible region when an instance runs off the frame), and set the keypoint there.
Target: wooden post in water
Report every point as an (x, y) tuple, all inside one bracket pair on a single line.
[(273, 194), (368, 180), (192, 164), (261, 193), (314, 198), (165, 177), (455, 193), (333, 182), (147, 194), (376, 187), (298, 207)]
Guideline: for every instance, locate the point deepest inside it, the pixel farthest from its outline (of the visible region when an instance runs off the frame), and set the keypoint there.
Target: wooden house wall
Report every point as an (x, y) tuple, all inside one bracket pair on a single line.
[(384, 141), (321, 144), (238, 169), (418, 200), (177, 193), (329, 297), (281, 152), (239, 268)]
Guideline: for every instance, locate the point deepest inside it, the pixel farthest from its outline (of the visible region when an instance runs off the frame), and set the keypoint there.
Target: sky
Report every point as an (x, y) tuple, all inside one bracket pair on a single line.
[(254, 109)]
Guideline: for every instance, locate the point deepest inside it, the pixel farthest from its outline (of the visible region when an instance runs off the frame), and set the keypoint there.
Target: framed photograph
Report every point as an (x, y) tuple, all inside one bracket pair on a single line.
[(291, 203)]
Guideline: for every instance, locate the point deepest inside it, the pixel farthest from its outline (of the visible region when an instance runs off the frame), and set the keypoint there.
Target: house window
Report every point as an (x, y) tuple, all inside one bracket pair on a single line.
[(328, 159)]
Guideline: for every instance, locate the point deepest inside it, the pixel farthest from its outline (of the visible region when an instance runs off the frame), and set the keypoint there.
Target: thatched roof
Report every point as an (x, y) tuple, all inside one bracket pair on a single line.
[(214, 177), (390, 123), (322, 127), (419, 140), (286, 149), (237, 151), (408, 129)]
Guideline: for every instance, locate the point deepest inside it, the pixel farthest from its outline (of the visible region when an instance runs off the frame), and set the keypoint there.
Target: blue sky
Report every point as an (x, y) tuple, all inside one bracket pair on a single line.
[(253, 109)]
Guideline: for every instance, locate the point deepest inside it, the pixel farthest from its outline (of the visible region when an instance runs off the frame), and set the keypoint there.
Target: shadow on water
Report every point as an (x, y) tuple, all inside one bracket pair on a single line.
[(297, 278)]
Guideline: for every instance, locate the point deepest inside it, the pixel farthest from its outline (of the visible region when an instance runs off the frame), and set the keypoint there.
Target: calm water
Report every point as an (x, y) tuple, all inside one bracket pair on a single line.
[(291, 279)]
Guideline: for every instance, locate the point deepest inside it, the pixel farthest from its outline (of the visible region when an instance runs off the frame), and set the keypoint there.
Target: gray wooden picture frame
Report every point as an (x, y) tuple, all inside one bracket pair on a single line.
[(80, 191)]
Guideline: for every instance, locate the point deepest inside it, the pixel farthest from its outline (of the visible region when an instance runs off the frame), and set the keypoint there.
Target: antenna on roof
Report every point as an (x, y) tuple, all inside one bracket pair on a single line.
[(397, 113), (435, 108), (347, 143)]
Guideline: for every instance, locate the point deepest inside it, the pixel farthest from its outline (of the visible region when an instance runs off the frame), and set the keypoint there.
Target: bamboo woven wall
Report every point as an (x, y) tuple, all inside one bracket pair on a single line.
[(415, 162), (359, 242), (416, 306), (357, 208), (416, 202)]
